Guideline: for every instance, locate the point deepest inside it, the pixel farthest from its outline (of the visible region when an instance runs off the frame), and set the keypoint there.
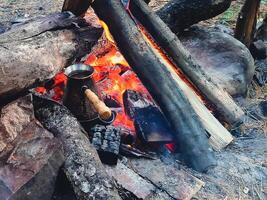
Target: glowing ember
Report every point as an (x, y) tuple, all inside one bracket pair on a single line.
[(113, 76)]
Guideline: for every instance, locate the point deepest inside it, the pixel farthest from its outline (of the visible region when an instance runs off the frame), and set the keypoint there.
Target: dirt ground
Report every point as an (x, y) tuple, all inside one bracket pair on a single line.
[(12, 11), (242, 167)]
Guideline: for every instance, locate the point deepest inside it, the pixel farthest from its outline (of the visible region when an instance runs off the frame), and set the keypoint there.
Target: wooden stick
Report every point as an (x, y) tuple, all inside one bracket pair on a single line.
[(157, 79), (246, 22), (169, 42)]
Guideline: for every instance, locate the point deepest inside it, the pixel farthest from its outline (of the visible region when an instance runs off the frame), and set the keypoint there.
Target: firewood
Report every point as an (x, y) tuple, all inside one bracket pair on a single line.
[(82, 167), (180, 14), (38, 49), (219, 136), (177, 14), (157, 78), (170, 43), (246, 22)]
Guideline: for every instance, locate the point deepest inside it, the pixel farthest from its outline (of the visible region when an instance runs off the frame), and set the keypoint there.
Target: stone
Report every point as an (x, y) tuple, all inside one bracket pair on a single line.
[(31, 157), (227, 61)]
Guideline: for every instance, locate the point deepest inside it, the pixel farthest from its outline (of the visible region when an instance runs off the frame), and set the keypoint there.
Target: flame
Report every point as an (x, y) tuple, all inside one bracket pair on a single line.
[(106, 31), (114, 76)]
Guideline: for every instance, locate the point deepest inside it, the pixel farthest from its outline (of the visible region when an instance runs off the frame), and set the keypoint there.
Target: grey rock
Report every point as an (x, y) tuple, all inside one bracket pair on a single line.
[(227, 61)]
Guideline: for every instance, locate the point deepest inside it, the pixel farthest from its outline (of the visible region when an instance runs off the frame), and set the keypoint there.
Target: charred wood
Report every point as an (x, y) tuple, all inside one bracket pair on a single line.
[(150, 124), (35, 51), (246, 22), (130, 151), (180, 14), (106, 140), (82, 167), (158, 80), (77, 7), (127, 136), (182, 58)]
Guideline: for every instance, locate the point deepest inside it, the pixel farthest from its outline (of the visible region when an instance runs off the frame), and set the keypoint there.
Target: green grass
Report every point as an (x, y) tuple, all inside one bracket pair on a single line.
[(229, 17)]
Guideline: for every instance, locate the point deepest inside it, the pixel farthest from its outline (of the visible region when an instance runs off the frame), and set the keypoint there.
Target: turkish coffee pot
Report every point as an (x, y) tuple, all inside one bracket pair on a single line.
[(81, 96)]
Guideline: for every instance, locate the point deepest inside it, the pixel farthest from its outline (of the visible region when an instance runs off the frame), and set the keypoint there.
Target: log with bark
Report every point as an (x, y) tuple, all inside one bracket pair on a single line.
[(180, 14), (82, 166), (246, 22), (38, 49), (177, 14), (159, 81)]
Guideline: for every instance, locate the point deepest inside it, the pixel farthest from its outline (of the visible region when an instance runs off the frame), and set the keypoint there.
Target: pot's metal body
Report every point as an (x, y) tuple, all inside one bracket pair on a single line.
[(79, 75)]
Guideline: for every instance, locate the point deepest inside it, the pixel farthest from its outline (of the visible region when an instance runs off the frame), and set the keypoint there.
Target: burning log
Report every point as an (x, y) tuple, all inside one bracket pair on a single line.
[(219, 137), (180, 14), (82, 167), (160, 83), (38, 49), (182, 58)]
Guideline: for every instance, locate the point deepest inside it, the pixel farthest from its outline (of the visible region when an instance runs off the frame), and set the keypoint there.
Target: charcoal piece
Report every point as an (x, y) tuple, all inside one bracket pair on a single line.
[(258, 49), (106, 140), (263, 107), (133, 101), (111, 102), (150, 124), (127, 136), (128, 150)]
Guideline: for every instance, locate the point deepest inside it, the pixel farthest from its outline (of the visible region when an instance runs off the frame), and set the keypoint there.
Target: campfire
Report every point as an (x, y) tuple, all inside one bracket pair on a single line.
[(121, 86)]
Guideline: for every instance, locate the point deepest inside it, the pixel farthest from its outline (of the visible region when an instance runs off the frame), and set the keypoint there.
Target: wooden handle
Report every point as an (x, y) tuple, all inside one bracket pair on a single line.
[(101, 108)]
